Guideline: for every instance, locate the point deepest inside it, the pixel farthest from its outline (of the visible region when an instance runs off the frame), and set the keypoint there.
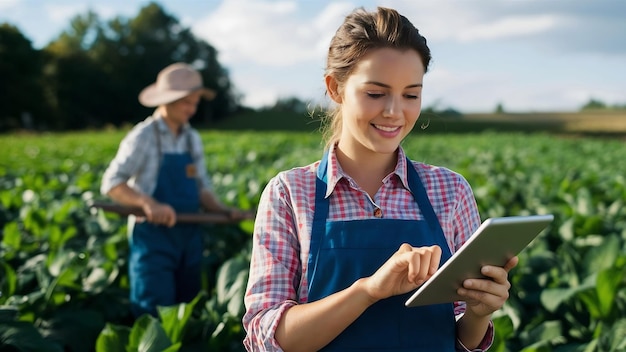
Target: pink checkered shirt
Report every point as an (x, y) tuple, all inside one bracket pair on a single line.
[(282, 231)]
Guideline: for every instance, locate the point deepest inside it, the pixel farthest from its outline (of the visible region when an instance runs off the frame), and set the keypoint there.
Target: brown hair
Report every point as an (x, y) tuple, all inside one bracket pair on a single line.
[(361, 32)]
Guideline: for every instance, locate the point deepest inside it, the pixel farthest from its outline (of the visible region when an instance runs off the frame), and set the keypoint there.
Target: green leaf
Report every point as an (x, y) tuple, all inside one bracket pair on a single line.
[(592, 305), (552, 298), (113, 338), (503, 328), (7, 314), (543, 336), (602, 256), (147, 335), (23, 336), (69, 323), (247, 226), (66, 269), (173, 348), (232, 278), (566, 230), (8, 281), (607, 285), (174, 318), (615, 338), (100, 278), (11, 239), (68, 234)]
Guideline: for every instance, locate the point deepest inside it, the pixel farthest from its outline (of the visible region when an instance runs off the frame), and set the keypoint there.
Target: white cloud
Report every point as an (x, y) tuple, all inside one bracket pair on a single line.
[(326, 24), (441, 21), (508, 27), (61, 14), (260, 31), (273, 33), (110, 11), (482, 91), (449, 88), (273, 49)]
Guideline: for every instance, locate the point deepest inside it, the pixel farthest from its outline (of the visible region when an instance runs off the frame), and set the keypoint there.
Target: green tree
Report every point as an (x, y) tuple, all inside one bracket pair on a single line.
[(96, 69), (499, 109), (76, 86), (20, 89), (594, 104), (290, 104)]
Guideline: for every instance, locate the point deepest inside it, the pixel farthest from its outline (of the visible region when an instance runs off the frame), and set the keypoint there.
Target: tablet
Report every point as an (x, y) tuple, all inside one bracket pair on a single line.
[(494, 243)]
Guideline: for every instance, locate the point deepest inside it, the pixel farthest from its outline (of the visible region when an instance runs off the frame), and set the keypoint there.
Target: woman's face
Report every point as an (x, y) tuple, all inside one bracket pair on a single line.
[(380, 102)]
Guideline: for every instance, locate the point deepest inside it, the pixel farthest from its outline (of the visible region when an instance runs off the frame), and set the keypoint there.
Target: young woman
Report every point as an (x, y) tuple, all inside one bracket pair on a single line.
[(340, 244)]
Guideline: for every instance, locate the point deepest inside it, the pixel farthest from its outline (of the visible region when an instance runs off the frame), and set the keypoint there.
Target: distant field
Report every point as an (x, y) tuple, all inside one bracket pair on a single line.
[(599, 123)]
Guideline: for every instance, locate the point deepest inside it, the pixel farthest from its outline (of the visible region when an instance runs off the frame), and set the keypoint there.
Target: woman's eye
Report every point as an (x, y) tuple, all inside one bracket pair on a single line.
[(412, 96), (375, 95)]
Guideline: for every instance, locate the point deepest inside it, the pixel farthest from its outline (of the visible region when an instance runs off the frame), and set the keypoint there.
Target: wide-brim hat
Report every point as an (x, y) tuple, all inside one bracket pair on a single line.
[(174, 82)]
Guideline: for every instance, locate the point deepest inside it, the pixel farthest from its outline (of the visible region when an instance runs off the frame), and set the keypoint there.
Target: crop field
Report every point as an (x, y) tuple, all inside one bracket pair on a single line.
[(63, 266)]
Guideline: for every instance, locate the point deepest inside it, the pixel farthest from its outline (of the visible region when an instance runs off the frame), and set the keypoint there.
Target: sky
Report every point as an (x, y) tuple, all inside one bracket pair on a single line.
[(527, 55)]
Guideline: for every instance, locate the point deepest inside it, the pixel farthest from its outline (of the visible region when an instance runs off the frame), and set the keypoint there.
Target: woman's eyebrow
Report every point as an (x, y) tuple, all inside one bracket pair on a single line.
[(380, 84)]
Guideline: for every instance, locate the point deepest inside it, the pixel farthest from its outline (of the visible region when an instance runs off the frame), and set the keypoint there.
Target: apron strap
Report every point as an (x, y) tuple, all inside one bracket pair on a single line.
[(320, 215), (421, 196)]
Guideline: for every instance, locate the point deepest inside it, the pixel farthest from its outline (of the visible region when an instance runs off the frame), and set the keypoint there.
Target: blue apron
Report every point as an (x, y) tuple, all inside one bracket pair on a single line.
[(165, 263), (341, 252)]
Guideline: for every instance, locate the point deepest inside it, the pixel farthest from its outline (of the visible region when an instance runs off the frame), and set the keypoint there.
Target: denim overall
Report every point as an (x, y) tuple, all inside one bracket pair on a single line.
[(343, 251), (165, 263)]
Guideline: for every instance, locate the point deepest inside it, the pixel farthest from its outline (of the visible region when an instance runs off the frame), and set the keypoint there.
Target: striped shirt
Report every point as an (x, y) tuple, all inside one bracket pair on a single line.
[(137, 159), (278, 268)]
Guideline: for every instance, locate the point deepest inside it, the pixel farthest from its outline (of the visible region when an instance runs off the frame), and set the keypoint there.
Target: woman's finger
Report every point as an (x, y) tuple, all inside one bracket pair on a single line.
[(511, 264)]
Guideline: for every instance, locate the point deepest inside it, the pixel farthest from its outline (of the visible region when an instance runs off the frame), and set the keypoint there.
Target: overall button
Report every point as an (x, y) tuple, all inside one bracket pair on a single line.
[(378, 213)]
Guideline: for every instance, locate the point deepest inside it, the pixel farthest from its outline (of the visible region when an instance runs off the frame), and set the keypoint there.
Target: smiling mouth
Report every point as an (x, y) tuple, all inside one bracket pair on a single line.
[(386, 128)]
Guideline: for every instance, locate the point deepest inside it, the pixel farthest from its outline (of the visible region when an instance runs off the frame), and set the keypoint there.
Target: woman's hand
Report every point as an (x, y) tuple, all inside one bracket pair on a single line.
[(407, 268), (485, 296)]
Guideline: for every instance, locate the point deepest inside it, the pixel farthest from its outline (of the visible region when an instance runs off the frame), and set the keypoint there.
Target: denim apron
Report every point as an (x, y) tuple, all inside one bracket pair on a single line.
[(343, 251), (165, 263)]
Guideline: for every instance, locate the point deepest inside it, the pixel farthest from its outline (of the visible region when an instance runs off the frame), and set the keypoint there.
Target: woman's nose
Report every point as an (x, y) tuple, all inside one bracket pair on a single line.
[(392, 107)]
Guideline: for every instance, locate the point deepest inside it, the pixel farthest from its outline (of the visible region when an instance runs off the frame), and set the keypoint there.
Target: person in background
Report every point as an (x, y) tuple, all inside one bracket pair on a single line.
[(339, 245), (160, 168)]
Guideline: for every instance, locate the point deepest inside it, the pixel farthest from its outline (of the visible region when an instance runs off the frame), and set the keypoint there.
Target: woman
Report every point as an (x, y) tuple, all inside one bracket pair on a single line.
[(340, 244)]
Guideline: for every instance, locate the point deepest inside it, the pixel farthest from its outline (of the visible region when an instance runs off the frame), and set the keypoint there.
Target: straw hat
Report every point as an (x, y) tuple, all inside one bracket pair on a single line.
[(174, 82)]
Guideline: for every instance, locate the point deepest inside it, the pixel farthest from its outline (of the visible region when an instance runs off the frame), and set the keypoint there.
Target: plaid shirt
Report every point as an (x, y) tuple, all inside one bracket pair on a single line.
[(137, 159), (278, 269)]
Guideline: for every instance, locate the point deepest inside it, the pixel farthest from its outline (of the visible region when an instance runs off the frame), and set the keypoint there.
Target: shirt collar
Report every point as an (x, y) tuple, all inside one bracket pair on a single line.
[(402, 168), (162, 126), (335, 173)]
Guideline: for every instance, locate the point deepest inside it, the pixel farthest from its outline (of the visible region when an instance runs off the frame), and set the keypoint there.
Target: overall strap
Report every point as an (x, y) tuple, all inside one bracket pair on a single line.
[(189, 144), (157, 135)]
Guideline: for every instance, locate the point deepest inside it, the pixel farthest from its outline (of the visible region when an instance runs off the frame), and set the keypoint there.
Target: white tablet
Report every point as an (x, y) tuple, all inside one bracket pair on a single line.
[(494, 243)]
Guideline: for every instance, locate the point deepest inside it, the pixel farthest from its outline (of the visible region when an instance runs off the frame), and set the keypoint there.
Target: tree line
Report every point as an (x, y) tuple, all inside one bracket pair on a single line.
[(91, 74)]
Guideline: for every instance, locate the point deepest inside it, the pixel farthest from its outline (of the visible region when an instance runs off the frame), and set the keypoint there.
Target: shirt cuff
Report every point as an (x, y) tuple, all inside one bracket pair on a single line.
[(484, 345)]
